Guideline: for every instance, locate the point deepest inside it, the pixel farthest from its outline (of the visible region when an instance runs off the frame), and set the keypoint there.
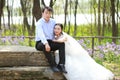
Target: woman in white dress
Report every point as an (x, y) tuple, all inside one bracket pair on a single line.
[(79, 64)]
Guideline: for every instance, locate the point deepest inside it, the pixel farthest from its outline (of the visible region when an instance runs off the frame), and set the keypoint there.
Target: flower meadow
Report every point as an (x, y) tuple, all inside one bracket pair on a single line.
[(107, 52), (15, 40)]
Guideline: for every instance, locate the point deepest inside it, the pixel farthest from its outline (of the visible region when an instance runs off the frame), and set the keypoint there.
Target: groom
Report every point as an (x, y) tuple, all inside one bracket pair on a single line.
[(44, 35)]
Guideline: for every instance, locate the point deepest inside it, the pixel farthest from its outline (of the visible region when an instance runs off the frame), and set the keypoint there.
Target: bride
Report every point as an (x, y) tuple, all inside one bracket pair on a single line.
[(79, 65)]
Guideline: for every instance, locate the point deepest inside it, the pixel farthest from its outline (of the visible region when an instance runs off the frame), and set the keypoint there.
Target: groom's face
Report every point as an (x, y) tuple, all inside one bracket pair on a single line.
[(46, 14)]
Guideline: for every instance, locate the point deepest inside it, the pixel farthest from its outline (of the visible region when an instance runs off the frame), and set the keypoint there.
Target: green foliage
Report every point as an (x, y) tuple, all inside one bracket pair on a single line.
[(16, 35), (114, 67), (109, 57), (91, 30), (15, 30), (82, 30)]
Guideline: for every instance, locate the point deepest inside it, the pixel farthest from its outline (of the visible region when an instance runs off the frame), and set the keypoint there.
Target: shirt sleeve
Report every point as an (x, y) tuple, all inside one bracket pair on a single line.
[(40, 33)]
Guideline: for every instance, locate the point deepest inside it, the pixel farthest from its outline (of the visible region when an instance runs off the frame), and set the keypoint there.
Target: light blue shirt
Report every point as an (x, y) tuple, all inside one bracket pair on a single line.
[(44, 30)]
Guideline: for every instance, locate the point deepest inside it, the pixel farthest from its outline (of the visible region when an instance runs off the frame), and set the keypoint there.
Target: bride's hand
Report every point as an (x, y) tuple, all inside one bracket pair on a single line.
[(61, 40), (65, 39)]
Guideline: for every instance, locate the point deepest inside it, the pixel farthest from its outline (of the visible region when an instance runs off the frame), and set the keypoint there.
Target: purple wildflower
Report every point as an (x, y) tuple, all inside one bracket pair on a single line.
[(3, 40), (101, 55), (22, 38)]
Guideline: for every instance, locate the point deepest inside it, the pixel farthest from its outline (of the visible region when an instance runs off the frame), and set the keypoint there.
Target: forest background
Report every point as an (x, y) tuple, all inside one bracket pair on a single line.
[(92, 22), (98, 17)]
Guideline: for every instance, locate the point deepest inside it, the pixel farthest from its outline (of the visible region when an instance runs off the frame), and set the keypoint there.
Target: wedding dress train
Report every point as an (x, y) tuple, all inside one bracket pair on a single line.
[(80, 66)]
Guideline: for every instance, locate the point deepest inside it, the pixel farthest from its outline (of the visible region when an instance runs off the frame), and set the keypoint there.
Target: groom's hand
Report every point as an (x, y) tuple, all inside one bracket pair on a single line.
[(47, 47)]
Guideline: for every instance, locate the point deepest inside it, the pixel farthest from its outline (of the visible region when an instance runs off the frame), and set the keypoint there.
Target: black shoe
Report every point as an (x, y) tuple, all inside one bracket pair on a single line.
[(55, 69), (61, 67)]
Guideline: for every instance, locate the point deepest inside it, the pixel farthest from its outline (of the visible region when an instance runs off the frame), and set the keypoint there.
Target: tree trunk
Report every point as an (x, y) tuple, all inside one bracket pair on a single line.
[(25, 20), (8, 10), (117, 16), (99, 20), (52, 2), (43, 2), (2, 4), (114, 28), (75, 24), (33, 26), (11, 10), (68, 31), (104, 9), (36, 10), (91, 9), (65, 12), (94, 7), (25, 10)]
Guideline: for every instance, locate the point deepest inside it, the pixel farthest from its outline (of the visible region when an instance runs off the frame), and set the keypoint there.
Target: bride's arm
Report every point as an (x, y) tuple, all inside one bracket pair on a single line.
[(62, 39)]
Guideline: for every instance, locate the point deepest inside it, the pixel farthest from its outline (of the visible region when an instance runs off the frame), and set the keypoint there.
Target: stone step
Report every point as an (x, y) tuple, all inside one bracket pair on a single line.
[(25, 63), (21, 56), (29, 73)]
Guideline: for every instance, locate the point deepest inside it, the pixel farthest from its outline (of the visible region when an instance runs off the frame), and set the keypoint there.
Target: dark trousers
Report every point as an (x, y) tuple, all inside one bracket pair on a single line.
[(50, 56)]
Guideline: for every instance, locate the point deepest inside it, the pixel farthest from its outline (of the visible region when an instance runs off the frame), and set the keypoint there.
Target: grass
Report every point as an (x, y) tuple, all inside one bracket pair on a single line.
[(114, 67)]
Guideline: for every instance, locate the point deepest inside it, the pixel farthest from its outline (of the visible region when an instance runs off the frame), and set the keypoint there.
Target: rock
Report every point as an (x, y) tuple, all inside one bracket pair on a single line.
[(25, 63)]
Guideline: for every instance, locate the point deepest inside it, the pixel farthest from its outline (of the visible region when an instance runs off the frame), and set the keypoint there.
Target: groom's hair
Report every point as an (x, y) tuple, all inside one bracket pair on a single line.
[(48, 8)]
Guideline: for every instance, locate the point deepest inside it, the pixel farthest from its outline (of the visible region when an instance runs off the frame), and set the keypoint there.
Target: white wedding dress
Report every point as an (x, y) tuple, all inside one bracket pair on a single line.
[(80, 66)]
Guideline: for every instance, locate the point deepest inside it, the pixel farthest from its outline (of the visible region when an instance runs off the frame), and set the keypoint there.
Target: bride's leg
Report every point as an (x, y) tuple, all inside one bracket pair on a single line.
[(61, 48), (62, 54)]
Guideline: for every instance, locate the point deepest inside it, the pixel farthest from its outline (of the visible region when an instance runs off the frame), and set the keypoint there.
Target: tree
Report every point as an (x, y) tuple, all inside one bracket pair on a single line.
[(8, 10), (36, 10), (65, 12), (114, 28), (75, 12), (2, 4), (52, 2), (99, 18), (25, 9), (104, 9), (94, 8), (118, 17), (69, 22)]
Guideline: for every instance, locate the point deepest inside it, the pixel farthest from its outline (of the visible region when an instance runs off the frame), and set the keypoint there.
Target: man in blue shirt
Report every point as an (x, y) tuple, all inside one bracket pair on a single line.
[(44, 36)]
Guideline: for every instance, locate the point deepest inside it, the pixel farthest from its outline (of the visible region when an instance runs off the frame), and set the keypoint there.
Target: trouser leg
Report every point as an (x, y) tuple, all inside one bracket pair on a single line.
[(61, 48), (62, 54), (48, 55)]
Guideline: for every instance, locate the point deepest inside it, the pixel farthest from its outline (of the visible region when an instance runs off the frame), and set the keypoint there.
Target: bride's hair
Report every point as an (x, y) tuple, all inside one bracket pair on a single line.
[(61, 26)]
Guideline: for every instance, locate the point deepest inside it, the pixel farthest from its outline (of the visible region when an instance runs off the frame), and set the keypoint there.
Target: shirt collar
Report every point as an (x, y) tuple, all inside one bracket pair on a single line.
[(45, 20)]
